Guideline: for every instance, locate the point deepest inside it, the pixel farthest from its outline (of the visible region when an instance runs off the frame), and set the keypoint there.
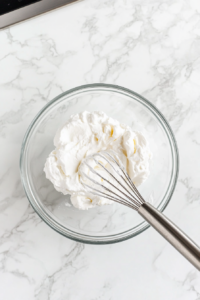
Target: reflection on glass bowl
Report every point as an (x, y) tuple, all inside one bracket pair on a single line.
[(110, 223)]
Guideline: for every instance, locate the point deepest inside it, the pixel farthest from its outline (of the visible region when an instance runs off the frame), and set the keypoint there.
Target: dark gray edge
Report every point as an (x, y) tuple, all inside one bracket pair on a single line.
[(30, 11)]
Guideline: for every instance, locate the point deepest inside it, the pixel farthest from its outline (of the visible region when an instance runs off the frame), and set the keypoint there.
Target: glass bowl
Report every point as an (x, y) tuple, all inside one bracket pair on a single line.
[(110, 223)]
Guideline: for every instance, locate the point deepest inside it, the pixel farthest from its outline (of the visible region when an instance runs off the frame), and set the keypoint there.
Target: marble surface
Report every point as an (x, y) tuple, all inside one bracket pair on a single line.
[(151, 47)]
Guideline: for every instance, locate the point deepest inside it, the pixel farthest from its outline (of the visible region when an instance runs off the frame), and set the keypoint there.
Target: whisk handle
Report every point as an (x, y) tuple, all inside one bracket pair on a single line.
[(171, 233)]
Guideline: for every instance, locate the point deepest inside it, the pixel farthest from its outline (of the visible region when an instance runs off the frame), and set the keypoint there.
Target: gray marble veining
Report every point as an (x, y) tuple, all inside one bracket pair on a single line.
[(151, 47)]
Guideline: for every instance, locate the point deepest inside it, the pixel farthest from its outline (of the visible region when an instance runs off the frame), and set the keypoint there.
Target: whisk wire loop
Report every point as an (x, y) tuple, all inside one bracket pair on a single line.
[(132, 198), (102, 194), (104, 187), (134, 189)]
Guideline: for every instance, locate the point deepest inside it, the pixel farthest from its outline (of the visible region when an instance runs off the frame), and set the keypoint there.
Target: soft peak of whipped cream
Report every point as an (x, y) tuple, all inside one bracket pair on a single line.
[(85, 134)]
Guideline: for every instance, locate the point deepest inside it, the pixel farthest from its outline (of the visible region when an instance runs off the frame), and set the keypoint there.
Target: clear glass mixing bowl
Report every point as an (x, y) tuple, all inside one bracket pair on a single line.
[(112, 223)]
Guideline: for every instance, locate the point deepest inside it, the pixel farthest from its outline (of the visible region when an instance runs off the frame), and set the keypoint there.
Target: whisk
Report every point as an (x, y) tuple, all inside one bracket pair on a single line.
[(111, 181)]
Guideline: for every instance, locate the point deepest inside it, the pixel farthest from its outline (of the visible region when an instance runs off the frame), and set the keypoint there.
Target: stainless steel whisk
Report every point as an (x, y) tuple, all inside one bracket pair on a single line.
[(126, 193)]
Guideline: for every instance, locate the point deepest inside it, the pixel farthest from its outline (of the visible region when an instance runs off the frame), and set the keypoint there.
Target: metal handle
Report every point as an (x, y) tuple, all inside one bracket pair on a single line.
[(171, 233)]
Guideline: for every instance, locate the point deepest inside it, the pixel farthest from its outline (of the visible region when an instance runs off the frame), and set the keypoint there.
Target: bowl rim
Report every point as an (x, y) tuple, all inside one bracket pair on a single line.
[(163, 204)]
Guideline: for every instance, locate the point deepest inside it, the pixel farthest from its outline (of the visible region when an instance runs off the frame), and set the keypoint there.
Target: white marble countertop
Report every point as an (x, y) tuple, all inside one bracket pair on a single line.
[(151, 47)]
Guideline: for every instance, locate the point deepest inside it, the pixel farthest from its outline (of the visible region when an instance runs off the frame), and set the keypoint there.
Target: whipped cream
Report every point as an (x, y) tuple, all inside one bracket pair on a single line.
[(85, 134)]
